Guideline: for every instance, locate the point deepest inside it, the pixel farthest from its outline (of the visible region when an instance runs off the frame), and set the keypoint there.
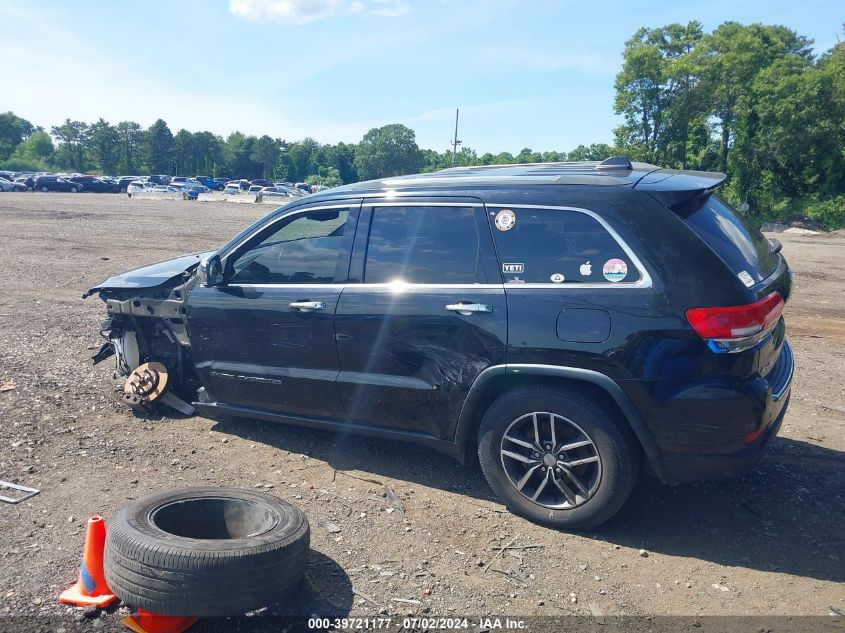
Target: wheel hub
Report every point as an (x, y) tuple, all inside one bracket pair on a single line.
[(145, 385)]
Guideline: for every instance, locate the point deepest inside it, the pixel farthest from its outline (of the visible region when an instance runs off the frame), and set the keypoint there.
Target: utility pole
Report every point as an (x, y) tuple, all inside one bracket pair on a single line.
[(455, 142)]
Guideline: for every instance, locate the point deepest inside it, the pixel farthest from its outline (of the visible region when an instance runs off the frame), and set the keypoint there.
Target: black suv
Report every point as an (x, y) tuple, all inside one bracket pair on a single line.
[(56, 183), (568, 321), (92, 184)]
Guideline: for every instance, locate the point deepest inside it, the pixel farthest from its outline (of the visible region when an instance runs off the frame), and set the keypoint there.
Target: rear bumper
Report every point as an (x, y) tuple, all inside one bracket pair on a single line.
[(683, 468), (760, 427)]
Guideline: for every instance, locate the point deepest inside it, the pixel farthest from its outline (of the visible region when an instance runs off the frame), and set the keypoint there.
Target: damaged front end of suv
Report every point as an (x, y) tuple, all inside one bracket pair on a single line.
[(146, 332)]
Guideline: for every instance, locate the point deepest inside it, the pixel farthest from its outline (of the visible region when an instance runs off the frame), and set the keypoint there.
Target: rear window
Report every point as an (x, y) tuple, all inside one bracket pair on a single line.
[(558, 246), (735, 239)]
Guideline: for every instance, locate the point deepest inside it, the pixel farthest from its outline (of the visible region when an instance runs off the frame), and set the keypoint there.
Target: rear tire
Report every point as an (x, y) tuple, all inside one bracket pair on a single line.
[(585, 485)]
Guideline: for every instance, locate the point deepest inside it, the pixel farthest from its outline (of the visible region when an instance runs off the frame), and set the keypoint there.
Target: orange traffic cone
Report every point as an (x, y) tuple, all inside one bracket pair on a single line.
[(143, 621), (91, 588)]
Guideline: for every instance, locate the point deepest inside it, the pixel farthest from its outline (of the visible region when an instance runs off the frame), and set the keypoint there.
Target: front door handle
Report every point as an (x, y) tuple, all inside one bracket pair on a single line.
[(469, 308), (307, 306)]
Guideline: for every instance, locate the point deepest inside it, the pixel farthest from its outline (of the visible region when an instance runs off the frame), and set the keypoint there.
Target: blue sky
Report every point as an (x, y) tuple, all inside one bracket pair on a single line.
[(525, 73)]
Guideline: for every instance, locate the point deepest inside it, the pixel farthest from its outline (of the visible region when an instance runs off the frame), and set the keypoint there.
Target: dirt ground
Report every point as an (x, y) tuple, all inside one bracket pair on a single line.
[(772, 542)]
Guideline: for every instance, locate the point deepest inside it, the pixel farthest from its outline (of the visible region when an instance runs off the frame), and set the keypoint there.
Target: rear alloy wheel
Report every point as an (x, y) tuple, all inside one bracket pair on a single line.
[(558, 456), (44, 189), (73, 190), (550, 460)]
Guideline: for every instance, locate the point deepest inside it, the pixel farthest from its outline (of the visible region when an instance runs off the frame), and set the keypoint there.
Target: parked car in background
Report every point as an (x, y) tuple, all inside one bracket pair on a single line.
[(221, 183), (11, 185), (207, 181), (194, 190), (160, 179), (261, 182), (189, 188), (138, 186), (306, 188), (28, 182), (277, 192), (93, 184), (232, 188), (124, 181), (178, 180), (56, 183)]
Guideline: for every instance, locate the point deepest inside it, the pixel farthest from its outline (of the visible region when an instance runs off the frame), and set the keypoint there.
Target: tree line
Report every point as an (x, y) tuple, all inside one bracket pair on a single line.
[(127, 148), (751, 101), (748, 100)]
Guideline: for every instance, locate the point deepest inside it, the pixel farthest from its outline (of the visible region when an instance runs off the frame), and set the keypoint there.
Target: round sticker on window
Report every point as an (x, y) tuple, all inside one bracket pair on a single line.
[(614, 270), (557, 278), (504, 220)]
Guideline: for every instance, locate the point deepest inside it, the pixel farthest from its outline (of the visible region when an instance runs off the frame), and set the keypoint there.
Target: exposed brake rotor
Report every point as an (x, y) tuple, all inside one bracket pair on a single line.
[(145, 384)]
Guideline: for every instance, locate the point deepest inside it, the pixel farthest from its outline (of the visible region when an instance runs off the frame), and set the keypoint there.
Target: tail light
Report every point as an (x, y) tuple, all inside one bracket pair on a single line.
[(735, 328)]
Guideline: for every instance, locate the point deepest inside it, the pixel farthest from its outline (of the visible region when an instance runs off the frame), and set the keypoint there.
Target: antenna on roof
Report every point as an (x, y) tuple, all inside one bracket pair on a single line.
[(616, 162), (456, 142)]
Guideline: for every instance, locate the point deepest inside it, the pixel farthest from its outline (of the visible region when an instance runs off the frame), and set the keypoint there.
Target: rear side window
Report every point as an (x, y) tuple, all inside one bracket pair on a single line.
[(738, 242), (424, 245), (558, 246)]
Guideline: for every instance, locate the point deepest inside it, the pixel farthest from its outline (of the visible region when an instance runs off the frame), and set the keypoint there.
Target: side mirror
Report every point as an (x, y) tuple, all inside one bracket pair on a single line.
[(211, 272)]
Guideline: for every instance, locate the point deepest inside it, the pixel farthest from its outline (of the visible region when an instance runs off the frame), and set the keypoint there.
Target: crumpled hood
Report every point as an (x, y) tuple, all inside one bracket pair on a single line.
[(152, 275)]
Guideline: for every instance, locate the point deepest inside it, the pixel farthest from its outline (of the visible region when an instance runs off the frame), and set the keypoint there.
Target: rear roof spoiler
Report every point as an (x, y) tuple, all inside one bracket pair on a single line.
[(674, 187)]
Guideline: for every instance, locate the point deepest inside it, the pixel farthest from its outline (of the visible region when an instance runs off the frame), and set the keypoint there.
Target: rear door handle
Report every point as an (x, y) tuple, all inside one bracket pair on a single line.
[(469, 308), (307, 306)]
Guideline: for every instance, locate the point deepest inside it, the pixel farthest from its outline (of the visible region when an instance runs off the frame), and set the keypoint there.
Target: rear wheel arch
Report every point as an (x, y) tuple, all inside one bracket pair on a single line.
[(495, 381)]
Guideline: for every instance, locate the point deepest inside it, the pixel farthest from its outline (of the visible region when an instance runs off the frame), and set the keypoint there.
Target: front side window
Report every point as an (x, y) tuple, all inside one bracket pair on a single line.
[(558, 246), (423, 245), (304, 249)]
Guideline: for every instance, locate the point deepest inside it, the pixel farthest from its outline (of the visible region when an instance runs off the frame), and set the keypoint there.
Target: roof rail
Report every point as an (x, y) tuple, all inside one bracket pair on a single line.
[(616, 162)]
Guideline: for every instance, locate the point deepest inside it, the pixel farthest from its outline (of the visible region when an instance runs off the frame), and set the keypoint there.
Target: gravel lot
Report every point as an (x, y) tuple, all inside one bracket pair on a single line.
[(771, 543)]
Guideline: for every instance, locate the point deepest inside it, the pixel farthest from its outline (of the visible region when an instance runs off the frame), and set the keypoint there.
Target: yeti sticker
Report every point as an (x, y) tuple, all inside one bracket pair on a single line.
[(513, 268)]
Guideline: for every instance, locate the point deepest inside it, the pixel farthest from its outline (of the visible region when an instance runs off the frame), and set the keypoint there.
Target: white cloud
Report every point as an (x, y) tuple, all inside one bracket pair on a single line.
[(305, 11), (389, 8)]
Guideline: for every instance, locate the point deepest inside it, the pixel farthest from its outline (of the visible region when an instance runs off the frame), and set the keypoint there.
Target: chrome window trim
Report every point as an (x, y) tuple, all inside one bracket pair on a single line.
[(644, 281), (423, 204), (397, 287)]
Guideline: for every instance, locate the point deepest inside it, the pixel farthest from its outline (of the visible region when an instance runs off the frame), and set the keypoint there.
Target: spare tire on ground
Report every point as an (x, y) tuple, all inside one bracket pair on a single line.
[(206, 551)]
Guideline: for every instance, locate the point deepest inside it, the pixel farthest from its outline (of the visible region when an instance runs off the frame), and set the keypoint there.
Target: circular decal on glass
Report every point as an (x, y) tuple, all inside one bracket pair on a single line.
[(504, 220), (558, 278), (614, 270)]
